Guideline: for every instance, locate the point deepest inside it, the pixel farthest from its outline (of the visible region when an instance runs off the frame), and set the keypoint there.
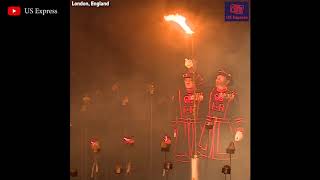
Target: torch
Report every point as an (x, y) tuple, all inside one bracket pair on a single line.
[(181, 21)]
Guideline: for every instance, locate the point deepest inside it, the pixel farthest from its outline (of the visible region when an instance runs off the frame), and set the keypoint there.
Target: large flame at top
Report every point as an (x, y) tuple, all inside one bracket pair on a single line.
[(179, 20)]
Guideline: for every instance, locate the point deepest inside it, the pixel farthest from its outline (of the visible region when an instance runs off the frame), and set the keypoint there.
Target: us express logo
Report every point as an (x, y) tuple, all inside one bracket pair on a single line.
[(237, 11)]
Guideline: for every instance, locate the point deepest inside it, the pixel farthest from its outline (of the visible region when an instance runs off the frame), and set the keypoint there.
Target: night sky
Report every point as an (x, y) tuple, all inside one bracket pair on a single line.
[(129, 43)]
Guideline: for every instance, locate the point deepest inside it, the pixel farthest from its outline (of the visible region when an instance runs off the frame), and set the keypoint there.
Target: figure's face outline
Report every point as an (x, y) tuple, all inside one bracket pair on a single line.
[(188, 83), (188, 63), (221, 80)]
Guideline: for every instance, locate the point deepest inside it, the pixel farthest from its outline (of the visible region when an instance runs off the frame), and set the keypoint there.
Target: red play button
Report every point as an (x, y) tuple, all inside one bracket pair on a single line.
[(14, 11)]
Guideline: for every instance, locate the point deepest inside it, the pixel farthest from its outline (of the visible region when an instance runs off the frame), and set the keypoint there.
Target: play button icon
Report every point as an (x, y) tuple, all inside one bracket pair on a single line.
[(14, 11)]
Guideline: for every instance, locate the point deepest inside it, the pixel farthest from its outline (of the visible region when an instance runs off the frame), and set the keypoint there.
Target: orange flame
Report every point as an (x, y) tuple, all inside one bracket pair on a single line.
[(179, 20)]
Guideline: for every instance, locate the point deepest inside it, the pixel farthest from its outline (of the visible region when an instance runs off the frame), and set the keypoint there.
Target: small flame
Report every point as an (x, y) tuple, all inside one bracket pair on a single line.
[(179, 20)]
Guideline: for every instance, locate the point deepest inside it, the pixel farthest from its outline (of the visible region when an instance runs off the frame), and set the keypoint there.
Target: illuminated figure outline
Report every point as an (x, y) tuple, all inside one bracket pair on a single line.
[(223, 110)]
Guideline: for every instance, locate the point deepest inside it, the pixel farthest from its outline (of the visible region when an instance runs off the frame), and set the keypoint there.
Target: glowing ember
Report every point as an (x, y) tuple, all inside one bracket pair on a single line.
[(179, 20), (167, 139), (128, 140), (95, 145)]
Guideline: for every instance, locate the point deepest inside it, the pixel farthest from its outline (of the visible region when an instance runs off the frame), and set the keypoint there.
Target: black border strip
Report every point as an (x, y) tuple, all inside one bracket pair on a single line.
[(36, 88)]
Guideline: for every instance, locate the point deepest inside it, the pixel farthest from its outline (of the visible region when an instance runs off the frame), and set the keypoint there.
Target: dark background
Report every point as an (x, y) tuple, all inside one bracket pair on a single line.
[(130, 43)]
